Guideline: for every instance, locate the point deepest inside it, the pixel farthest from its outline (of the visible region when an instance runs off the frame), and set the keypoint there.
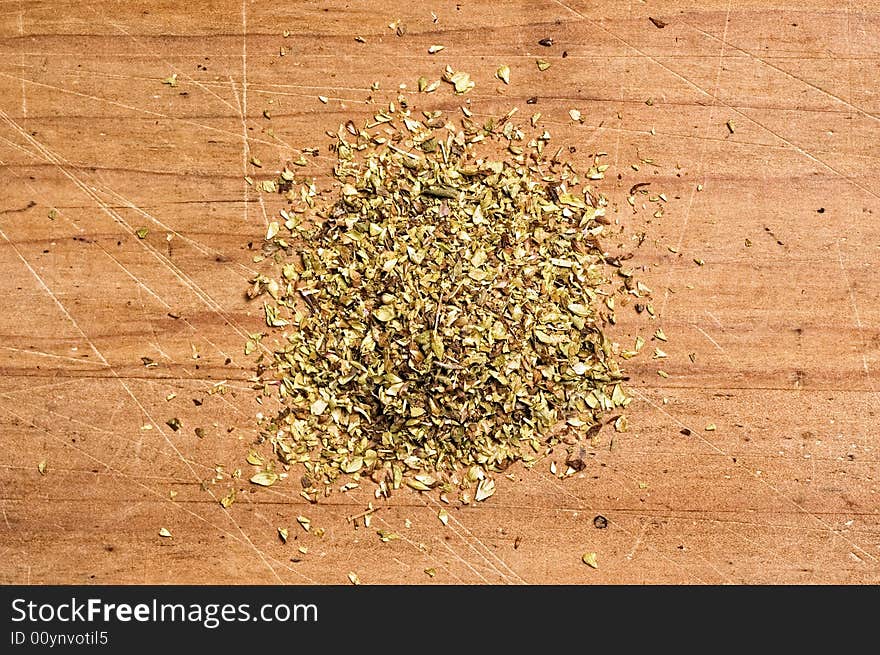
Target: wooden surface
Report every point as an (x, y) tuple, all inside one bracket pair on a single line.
[(785, 333)]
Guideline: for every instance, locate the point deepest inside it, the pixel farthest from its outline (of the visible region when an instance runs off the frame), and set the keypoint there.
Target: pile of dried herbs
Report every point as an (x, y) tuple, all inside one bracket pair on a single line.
[(442, 309)]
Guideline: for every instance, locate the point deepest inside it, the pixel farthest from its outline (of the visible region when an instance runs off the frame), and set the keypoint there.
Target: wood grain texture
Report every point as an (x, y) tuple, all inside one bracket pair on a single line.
[(785, 333)]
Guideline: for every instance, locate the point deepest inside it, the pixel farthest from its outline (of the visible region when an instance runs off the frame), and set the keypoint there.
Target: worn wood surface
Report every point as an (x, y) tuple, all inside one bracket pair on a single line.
[(785, 333)]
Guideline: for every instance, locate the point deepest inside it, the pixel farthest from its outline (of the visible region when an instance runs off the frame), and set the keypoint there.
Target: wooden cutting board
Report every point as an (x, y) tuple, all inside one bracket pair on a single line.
[(759, 124)]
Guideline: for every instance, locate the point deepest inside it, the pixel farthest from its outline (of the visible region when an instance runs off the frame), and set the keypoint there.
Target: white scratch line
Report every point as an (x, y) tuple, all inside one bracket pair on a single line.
[(718, 323), (178, 273), (181, 74), (583, 502), (244, 157), (801, 151), (443, 543), (21, 36), (738, 463), (148, 112), (760, 59), (92, 194), (197, 245), (639, 537), (121, 381), (412, 543), (716, 344), (40, 353), (241, 539), (858, 323), (486, 548), (701, 161)]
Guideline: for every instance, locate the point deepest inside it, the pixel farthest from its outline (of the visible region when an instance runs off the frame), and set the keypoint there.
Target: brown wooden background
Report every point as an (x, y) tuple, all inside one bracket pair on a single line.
[(785, 333)]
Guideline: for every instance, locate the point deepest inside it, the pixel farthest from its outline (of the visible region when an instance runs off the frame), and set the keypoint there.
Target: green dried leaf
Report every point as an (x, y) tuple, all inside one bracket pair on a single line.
[(228, 499), (384, 313), (265, 478), (387, 535), (485, 488)]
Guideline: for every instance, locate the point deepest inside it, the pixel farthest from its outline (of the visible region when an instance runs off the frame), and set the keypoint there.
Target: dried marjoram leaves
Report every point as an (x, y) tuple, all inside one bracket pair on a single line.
[(443, 311)]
